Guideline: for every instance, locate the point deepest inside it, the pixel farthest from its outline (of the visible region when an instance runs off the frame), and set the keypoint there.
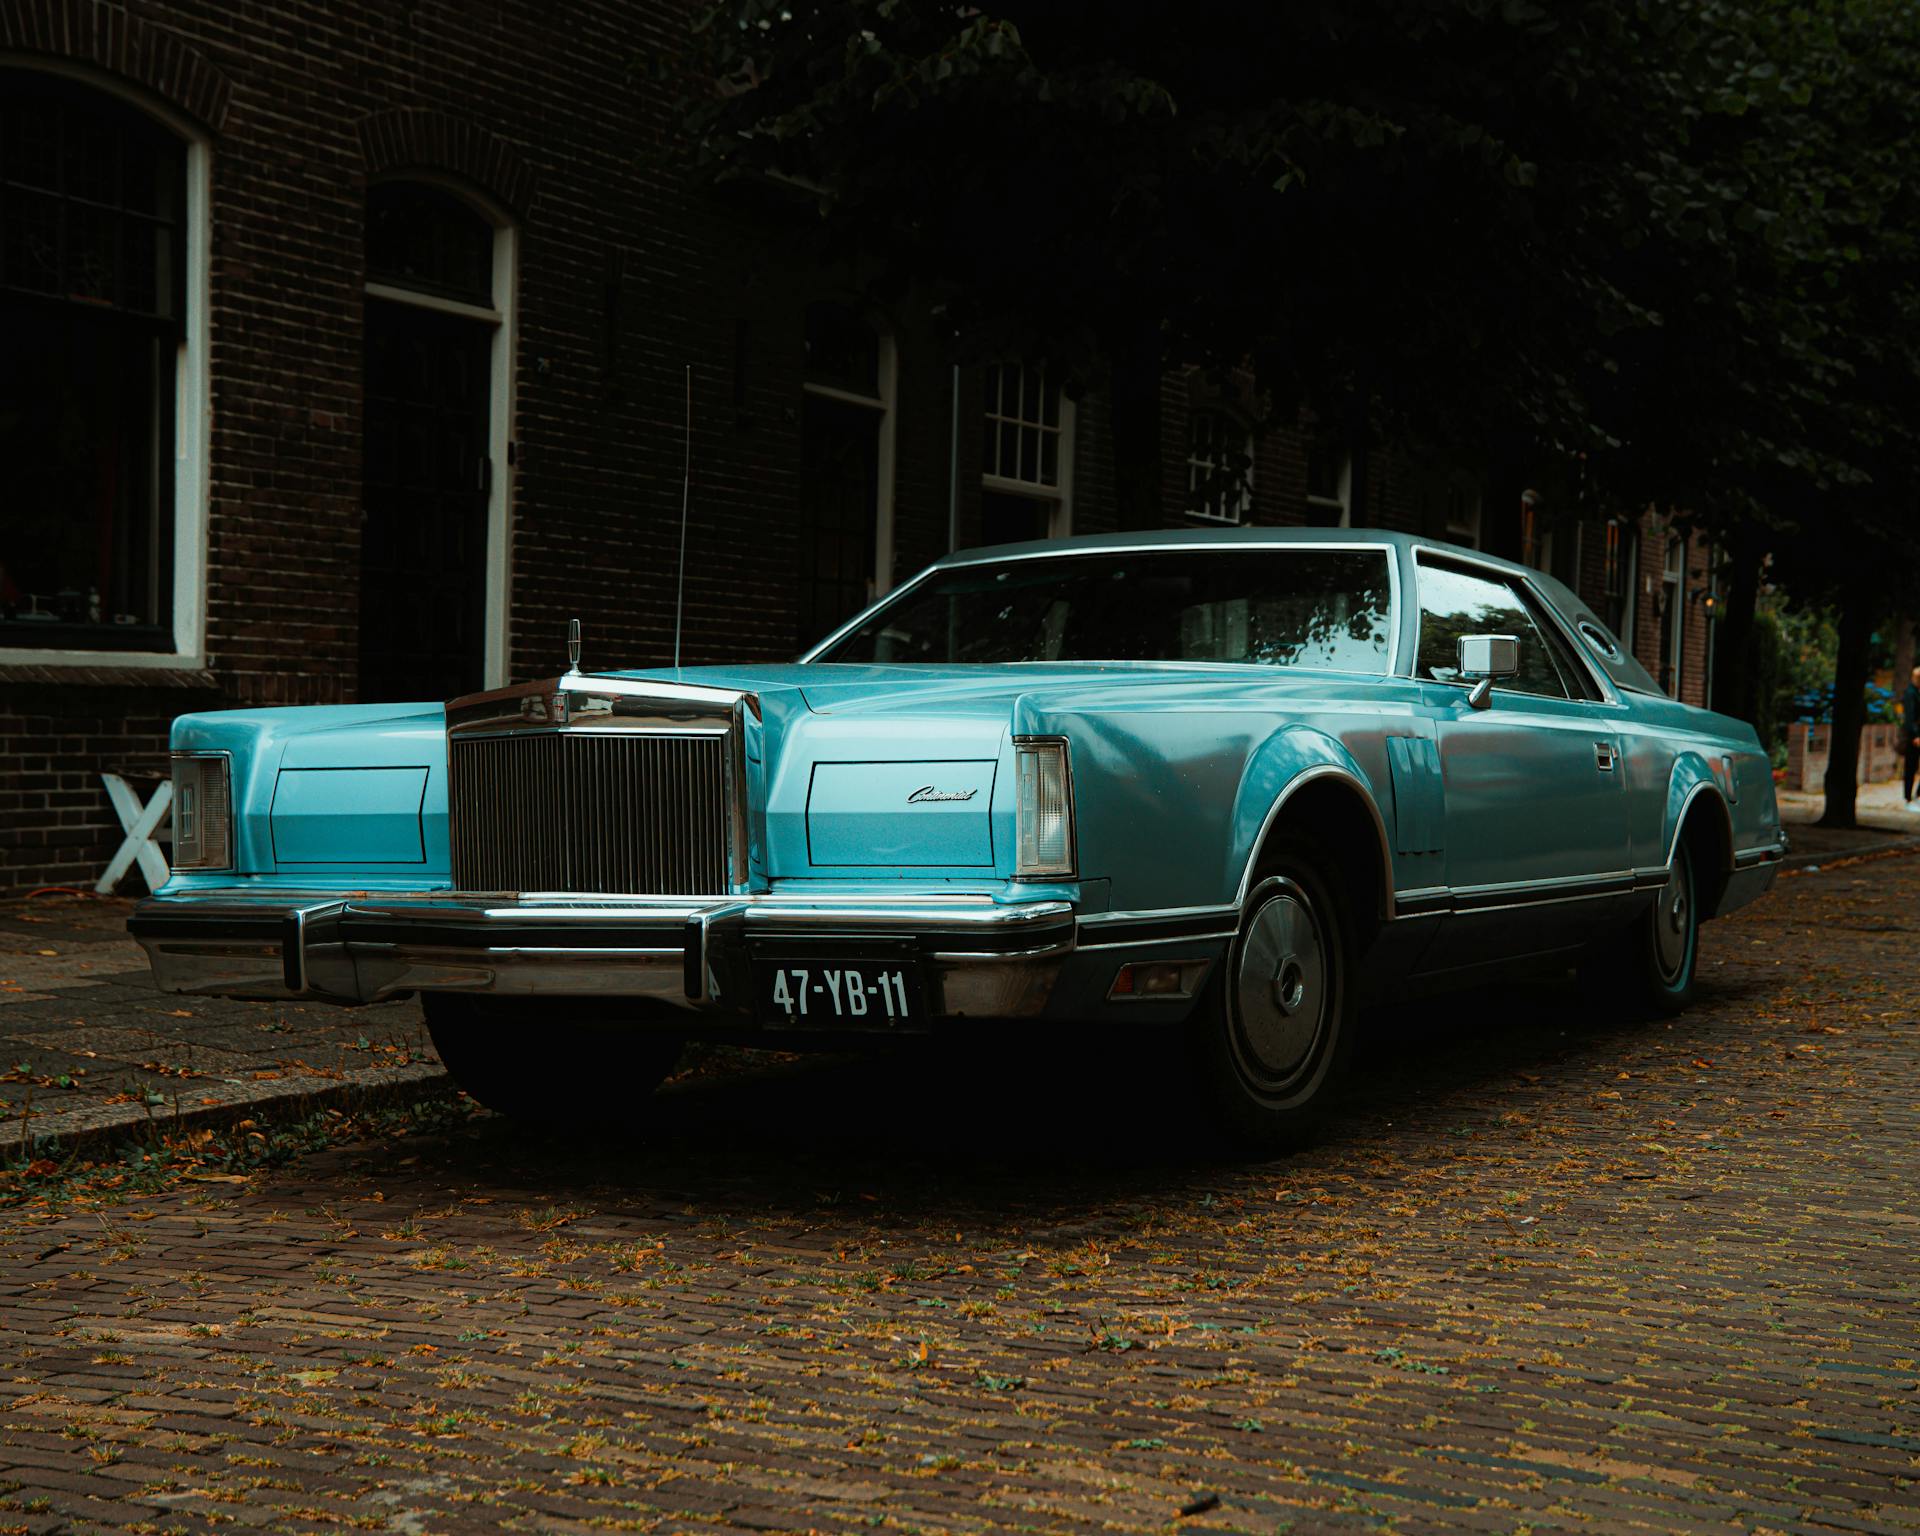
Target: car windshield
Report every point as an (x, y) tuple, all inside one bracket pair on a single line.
[(1300, 607)]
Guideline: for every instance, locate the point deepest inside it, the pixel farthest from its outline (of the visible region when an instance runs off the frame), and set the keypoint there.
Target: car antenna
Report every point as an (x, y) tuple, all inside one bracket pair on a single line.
[(686, 484)]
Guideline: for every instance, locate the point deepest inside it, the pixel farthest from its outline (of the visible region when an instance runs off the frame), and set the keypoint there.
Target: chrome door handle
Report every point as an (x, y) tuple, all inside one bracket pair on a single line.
[(1603, 756)]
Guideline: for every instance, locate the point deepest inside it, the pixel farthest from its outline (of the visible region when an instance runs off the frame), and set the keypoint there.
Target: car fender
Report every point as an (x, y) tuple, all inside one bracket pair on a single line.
[(1690, 781), (1289, 761)]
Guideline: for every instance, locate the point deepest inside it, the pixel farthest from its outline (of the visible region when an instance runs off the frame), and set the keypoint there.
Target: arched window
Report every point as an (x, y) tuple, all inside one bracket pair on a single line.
[(433, 589), (94, 296)]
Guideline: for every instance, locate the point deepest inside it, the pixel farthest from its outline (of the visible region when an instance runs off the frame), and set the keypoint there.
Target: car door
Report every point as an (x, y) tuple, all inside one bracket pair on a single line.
[(1535, 809)]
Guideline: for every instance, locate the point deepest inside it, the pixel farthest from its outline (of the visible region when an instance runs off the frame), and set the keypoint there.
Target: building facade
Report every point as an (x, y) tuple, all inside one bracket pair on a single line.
[(348, 349)]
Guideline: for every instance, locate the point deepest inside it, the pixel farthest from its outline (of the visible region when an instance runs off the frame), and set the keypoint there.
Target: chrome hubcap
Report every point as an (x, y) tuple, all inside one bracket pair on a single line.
[(1673, 922), (1281, 986)]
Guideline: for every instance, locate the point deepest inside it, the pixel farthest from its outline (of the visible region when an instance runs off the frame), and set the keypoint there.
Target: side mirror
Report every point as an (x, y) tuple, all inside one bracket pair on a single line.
[(1486, 659)]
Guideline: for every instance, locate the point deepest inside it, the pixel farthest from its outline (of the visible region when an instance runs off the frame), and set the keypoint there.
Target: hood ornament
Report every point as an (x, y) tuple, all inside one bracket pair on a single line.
[(573, 647)]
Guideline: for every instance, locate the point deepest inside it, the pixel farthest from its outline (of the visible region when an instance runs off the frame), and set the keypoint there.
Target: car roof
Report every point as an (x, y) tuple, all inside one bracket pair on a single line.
[(1226, 538)]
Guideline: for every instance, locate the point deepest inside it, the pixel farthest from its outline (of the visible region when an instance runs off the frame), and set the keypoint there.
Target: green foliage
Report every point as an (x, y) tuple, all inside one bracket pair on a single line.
[(1675, 237)]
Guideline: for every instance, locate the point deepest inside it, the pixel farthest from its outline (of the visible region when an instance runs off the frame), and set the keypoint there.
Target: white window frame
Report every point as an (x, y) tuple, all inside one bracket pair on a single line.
[(887, 404), (1057, 497), (1235, 501), (192, 393), (497, 628)]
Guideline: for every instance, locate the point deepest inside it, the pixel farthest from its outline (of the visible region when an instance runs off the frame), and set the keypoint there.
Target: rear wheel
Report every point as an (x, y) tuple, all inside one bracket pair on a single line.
[(549, 1060), (1276, 1026)]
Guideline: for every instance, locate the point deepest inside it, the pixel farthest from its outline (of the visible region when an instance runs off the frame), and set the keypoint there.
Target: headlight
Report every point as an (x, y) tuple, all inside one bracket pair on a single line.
[(1043, 808), (202, 811)]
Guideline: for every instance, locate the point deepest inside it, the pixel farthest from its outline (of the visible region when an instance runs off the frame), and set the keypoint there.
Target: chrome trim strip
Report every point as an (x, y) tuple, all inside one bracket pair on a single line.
[(943, 912), (1157, 914), (1388, 897), (1439, 900), (964, 956), (697, 696), (1749, 858), (1102, 946)]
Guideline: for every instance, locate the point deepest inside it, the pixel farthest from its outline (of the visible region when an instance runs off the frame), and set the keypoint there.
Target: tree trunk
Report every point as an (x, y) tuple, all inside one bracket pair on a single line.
[(1849, 712), (1136, 375), (1733, 673)]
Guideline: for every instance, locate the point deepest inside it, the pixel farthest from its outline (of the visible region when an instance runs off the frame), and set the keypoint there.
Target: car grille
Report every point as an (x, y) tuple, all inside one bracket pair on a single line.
[(604, 812)]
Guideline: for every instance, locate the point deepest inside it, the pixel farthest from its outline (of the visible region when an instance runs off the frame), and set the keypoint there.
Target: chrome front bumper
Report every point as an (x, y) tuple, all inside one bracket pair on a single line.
[(979, 958)]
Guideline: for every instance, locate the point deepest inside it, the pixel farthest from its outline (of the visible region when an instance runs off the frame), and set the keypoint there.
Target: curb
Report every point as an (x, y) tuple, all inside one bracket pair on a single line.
[(1865, 850), (87, 1128)]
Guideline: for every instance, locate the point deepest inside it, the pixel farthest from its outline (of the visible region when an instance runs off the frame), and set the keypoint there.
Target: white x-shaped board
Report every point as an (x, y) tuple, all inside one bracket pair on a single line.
[(140, 822)]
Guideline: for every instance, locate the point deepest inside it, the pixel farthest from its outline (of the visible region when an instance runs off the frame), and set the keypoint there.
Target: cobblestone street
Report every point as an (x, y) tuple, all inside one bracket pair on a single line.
[(1549, 1271)]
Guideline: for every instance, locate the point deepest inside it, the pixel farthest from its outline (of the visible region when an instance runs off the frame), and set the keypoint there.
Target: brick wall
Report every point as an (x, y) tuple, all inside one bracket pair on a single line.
[(626, 278)]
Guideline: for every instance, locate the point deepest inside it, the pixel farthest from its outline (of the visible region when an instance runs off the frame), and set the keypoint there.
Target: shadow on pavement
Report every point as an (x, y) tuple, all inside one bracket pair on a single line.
[(984, 1125)]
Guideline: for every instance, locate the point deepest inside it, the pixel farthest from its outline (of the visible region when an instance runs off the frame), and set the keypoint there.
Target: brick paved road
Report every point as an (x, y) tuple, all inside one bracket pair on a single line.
[(1549, 1273)]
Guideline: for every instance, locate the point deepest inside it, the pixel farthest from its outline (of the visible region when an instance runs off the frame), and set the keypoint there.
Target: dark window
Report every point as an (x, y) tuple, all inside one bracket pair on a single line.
[(842, 414), (1620, 574), (425, 238), (1009, 519), (843, 351), (427, 471), (1300, 608), (92, 300), (1328, 488), (1455, 603)]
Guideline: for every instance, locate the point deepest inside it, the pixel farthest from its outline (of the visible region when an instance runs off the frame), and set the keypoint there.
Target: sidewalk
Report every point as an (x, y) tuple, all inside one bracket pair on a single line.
[(1885, 824), (90, 1051)]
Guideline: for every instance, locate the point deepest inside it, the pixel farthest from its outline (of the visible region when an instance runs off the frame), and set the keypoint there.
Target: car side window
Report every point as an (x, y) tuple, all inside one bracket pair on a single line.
[(1455, 602)]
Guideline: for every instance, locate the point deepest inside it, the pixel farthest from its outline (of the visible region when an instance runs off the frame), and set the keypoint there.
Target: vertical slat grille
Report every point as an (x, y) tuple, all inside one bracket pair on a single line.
[(618, 812)]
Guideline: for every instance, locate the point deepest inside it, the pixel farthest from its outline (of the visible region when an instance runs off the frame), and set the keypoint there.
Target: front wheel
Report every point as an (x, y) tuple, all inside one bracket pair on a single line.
[(1276, 1026), (544, 1060)]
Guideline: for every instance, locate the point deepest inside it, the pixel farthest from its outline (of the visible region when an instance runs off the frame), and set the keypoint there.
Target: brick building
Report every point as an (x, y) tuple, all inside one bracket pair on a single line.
[(346, 351)]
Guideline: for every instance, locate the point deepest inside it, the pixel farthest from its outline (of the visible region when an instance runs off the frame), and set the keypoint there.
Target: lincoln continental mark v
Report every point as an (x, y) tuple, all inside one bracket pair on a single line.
[(1215, 789)]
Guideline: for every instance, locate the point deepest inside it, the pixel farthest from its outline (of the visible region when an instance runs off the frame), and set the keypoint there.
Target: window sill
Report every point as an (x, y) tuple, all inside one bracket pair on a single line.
[(108, 672)]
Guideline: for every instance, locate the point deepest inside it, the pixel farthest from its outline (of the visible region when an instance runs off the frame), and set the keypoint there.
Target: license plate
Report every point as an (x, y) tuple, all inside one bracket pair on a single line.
[(831, 993)]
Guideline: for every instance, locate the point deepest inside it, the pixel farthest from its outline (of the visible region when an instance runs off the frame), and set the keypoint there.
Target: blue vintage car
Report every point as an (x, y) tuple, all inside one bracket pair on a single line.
[(1222, 786)]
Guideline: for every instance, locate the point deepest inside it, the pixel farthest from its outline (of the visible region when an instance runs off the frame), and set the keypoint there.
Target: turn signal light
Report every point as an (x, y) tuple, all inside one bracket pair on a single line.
[(1161, 981), (1043, 808), (202, 811)]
